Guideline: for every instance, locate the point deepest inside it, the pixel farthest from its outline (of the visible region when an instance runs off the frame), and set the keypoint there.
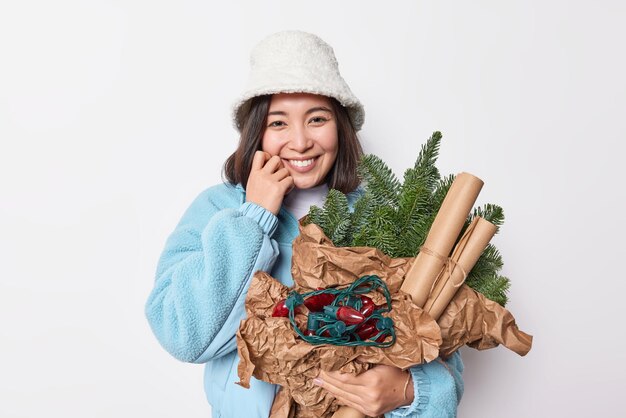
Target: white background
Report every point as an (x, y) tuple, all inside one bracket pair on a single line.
[(114, 115)]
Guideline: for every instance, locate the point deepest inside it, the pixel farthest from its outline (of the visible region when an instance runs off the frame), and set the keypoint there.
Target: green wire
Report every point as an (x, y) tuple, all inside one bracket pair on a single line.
[(363, 285)]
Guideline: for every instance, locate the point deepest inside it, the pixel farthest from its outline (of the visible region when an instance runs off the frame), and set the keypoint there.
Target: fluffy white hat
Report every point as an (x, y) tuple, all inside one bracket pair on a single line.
[(296, 62)]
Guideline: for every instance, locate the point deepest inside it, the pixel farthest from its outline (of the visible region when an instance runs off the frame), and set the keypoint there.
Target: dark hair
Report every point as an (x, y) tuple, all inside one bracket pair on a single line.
[(237, 167), (342, 176)]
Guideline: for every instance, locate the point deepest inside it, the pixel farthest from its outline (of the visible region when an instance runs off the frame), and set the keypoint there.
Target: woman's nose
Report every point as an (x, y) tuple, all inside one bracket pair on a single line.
[(300, 140)]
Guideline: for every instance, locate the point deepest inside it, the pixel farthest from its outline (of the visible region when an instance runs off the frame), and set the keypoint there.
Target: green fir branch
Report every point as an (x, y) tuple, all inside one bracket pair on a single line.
[(380, 180), (490, 212), (489, 261), (493, 287), (316, 216), (425, 164), (396, 217), (337, 217), (362, 212), (441, 190)]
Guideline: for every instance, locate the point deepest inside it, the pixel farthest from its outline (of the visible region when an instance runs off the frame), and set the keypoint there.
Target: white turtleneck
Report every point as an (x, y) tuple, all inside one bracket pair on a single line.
[(298, 201)]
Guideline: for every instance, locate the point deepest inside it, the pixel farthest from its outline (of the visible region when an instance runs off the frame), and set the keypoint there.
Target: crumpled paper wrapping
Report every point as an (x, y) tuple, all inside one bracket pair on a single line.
[(316, 262), (472, 319), (270, 350)]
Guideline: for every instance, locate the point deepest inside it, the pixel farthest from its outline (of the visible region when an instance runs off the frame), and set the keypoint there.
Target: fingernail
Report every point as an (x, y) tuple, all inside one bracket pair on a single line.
[(317, 381)]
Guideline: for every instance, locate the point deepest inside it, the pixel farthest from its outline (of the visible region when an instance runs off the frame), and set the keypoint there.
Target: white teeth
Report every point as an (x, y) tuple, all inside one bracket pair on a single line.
[(301, 163)]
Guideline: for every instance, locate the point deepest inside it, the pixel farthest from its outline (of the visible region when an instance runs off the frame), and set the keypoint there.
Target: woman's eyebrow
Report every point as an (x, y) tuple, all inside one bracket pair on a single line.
[(311, 110), (315, 109)]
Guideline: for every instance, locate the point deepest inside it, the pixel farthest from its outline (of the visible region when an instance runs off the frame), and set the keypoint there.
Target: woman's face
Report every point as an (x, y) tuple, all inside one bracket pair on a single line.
[(301, 129)]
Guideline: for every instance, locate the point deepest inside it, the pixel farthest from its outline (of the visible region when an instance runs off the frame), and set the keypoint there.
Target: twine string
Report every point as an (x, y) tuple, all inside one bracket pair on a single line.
[(449, 264)]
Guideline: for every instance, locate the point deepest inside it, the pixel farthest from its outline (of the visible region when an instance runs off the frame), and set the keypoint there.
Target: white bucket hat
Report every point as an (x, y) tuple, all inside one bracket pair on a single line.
[(296, 62)]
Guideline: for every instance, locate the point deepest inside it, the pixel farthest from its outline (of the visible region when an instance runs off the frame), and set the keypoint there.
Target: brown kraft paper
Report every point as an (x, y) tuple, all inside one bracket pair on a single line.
[(472, 319), (442, 235)]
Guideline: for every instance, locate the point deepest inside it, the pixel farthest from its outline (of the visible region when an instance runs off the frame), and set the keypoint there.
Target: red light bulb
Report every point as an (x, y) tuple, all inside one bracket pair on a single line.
[(350, 316), (368, 306), (346, 314), (367, 330), (280, 310), (316, 303)]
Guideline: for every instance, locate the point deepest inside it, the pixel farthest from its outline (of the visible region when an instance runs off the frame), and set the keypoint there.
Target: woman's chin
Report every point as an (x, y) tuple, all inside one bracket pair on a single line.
[(305, 183)]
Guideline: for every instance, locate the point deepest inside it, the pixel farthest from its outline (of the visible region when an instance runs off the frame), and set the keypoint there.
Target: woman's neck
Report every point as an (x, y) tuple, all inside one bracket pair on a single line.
[(298, 201)]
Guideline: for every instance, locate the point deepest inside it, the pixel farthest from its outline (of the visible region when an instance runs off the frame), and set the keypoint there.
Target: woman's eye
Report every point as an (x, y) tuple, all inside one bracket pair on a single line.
[(318, 119), (276, 123)]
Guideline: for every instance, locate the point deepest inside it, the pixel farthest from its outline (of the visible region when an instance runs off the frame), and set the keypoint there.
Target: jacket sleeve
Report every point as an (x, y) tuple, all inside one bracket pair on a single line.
[(203, 275), (438, 388)]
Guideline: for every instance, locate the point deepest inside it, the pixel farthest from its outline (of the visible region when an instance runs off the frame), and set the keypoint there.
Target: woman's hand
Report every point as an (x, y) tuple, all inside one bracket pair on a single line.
[(374, 392), (269, 182)]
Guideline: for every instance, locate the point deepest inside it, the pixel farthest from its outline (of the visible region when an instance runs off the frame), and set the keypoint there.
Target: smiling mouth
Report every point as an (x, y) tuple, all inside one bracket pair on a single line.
[(302, 163)]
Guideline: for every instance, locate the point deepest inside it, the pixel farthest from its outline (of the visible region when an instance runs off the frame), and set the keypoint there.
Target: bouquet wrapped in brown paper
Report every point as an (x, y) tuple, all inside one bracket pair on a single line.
[(270, 350), (389, 225)]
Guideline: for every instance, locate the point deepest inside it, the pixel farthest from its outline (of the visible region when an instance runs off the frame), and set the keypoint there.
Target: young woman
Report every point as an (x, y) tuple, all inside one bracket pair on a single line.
[(298, 121)]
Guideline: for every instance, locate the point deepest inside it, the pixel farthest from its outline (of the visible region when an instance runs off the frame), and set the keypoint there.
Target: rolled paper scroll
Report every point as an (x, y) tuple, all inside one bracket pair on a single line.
[(463, 258), (443, 233)]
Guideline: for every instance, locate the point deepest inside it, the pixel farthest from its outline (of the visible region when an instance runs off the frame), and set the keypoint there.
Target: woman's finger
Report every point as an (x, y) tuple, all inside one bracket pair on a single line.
[(280, 174), (273, 164), (352, 405), (341, 379), (287, 183), (258, 161), (338, 389)]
